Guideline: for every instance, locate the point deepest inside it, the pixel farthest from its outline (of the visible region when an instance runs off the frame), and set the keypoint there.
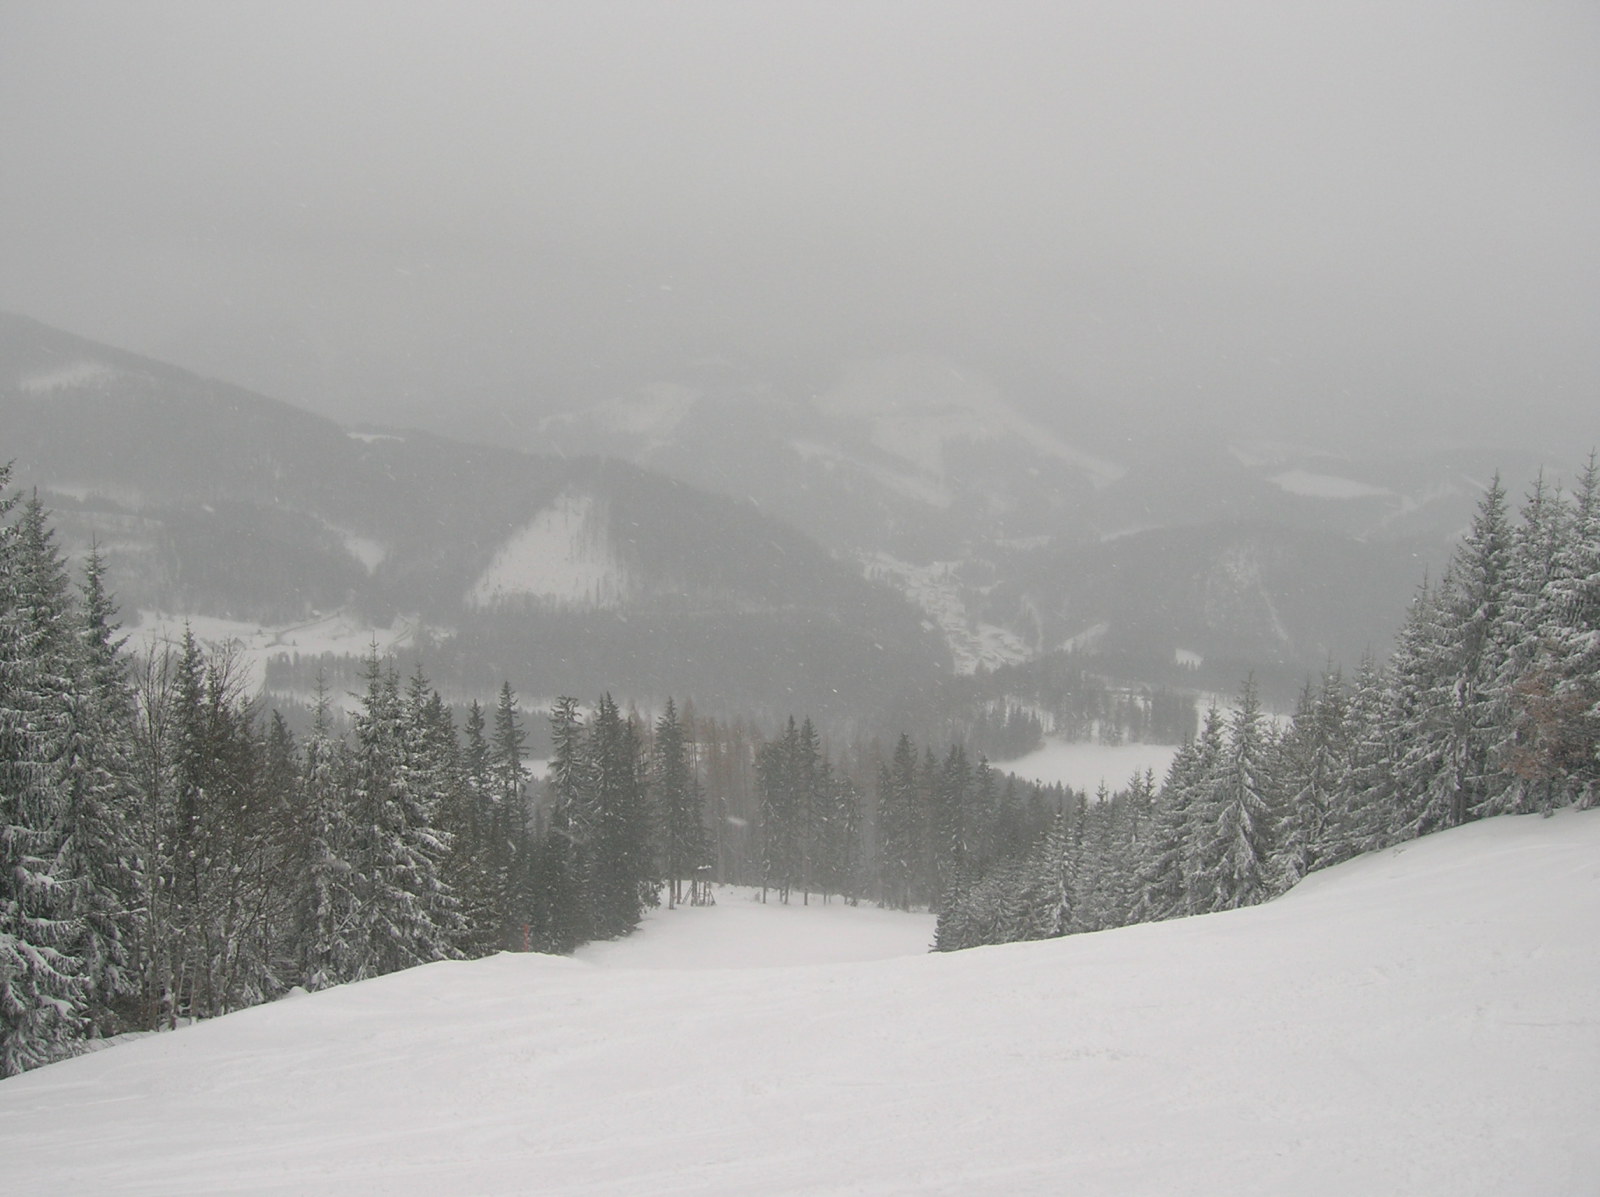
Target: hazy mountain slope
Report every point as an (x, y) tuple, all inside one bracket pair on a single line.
[(1210, 603), (208, 499), (1415, 1022), (922, 467)]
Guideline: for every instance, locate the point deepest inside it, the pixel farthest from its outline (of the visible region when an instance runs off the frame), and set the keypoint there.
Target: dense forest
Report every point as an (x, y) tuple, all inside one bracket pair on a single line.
[(1489, 704), (170, 850)]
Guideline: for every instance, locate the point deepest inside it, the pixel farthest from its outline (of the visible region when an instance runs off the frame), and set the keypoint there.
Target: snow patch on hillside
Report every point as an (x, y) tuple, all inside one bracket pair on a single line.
[(938, 590), (654, 413), (371, 553), (337, 633), (563, 555), (915, 406), (122, 496), (1086, 766), (910, 484), (71, 377), (1326, 486), (1086, 639)]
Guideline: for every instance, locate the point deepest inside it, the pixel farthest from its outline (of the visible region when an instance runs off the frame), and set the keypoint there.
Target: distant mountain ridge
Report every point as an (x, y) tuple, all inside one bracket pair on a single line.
[(875, 519), (207, 498), (1163, 553)]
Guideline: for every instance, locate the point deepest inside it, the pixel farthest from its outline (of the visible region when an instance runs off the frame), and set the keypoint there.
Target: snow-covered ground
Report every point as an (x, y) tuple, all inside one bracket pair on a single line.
[(336, 632), (1421, 1021), (563, 555), (1326, 486), (741, 931), (1084, 765)]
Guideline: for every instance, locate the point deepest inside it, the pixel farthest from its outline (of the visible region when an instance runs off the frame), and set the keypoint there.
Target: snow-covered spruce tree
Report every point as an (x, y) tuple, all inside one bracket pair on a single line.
[(805, 765), (898, 847), (101, 846), (684, 852), (1196, 794), (404, 916), (983, 814), (1528, 776), (331, 890), (1451, 729), (621, 877), (226, 839), (508, 856), (157, 922), (838, 848), (1015, 899), (1306, 772), (481, 868), (1557, 706), (1365, 813), (781, 814), (952, 794), (1162, 880), (1235, 846), (433, 775), (42, 987), (562, 919)]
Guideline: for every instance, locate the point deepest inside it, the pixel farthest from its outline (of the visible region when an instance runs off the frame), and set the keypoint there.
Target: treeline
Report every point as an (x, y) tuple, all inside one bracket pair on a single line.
[(1490, 704), (924, 821)]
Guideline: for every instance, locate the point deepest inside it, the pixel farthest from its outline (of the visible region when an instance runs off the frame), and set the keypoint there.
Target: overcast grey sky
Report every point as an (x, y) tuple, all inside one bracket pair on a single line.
[(1330, 214)]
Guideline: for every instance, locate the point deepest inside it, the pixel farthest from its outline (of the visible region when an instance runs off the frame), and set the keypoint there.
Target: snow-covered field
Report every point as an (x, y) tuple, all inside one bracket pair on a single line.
[(336, 632), (1420, 1021), (1084, 765)]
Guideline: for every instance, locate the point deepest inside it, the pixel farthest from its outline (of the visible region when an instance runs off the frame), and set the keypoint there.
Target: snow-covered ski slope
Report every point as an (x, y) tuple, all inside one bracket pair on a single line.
[(1424, 1020)]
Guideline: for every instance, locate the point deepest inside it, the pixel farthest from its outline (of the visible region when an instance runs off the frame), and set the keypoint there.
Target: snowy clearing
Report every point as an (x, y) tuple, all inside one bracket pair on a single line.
[(1326, 486), (72, 377), (563, 555), (336, 633), (1421, 1021), (1083, 765)]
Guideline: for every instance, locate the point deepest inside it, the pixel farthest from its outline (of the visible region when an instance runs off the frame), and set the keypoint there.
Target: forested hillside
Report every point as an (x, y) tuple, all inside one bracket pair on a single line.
[(1490, 704)]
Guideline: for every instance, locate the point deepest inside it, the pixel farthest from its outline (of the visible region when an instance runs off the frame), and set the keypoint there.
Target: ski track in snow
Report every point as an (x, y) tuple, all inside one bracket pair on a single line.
[(1420, 1021)]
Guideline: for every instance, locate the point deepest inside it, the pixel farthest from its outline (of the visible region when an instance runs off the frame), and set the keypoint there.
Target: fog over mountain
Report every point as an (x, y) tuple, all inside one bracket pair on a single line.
[(1352, 224)]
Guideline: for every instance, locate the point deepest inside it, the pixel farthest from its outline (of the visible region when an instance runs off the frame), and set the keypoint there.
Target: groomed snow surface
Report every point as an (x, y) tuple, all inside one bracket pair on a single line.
[(1423, 1020)]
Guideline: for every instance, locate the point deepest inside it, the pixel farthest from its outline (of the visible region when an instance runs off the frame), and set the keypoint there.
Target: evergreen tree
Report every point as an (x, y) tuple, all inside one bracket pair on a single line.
[(1452, 675), (405, 916), (679, 798), (331, 895), (838, 848), (562, 912), (1559, 696), (1309, 766), (1235, 864), (1365, 812), (897, 830), (1527, 774), (778, 773), (508, 858), (42, 986), (621, 877), (1202, 817), (952, 795)]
